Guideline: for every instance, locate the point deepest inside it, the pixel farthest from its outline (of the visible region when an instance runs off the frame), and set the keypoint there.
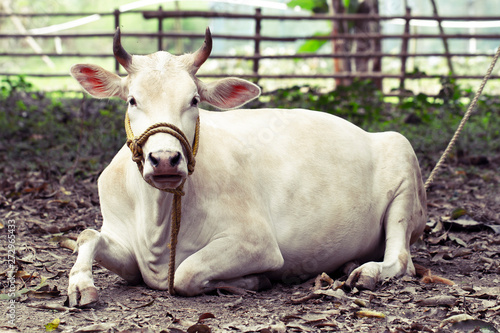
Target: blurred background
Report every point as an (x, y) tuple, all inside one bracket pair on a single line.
[(277, 43)]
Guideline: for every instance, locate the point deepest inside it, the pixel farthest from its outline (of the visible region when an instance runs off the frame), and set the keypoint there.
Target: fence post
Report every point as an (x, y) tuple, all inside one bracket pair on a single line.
[(445, 40), (160, 28), (258, 19), (404, 51), (117, 24)]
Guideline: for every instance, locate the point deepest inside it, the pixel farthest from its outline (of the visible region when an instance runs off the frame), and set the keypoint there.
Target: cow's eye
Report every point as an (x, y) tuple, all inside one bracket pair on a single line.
[(132, 101), (195, 101)]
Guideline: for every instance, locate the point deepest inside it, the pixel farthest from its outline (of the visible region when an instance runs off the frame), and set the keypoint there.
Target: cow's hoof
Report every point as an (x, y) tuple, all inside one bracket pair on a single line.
[(88, 297), (361, 281), (364, 277)]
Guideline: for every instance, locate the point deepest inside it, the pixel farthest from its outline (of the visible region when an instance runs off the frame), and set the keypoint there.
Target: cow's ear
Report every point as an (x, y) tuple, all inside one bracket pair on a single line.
[(228, 93), (98, 82)]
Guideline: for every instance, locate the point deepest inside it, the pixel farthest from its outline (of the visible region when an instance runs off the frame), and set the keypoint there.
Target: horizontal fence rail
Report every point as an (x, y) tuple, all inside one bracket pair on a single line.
[(261, 38), (257, 38)]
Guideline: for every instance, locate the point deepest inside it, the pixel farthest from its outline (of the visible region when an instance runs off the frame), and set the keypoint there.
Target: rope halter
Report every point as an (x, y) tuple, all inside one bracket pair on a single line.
[(135, 144)]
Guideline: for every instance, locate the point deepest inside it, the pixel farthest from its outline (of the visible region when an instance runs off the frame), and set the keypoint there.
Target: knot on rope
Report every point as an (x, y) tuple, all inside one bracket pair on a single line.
[(136, 150)]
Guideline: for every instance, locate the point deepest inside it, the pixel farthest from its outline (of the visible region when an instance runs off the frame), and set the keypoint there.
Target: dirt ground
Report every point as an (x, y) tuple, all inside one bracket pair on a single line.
[(459, 245)]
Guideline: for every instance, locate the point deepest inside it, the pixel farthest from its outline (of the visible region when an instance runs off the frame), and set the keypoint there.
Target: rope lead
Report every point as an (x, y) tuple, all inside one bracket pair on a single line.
[(472, 105), (135, 145)]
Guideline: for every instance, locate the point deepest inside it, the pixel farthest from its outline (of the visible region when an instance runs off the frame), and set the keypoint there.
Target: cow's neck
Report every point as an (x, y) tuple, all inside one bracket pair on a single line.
[(156, 224)]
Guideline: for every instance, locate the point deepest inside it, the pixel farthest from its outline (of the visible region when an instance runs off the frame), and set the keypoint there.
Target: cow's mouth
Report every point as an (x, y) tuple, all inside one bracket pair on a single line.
[(167, 180)]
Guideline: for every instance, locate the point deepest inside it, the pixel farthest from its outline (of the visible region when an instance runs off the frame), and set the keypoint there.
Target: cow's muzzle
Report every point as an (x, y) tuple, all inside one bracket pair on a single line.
[(164, 169), (165, 176)]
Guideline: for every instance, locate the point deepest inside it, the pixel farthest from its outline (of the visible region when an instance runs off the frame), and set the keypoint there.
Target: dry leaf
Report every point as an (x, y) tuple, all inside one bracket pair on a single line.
[(474, 326), (44, 294), (64, 191), (428, 277), (369, 314), (457, 240), (150, 302), (52, 306), (438, 301), (204, 316), (454, 319), (337, 293), (199, 328), (25, 275), (487, 293), (96, 328)]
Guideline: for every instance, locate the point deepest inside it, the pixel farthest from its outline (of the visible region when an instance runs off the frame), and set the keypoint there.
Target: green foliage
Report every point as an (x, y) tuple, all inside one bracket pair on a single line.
[(321, 6), (9, 86), (315, 6), (60, 135), (360, 103), (351, 6), (57, 135), (313, 45)]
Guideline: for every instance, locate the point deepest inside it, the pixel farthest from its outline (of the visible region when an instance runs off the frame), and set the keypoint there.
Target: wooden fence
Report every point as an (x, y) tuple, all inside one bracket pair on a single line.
[(374, 55)]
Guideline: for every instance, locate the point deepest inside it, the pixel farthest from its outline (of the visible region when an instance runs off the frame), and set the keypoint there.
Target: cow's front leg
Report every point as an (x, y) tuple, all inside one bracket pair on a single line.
[(108, 252), (225, 263)]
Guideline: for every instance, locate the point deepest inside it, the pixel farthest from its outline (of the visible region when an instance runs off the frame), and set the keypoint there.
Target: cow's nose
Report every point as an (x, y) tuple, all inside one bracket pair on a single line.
[(162, 158)]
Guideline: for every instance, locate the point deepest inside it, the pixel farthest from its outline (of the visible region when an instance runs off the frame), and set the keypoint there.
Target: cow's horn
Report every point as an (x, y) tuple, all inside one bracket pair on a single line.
[(123, 57), (203, 52)]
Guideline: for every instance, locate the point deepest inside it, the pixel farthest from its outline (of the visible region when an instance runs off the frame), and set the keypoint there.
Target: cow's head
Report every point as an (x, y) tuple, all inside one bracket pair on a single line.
[(163, 88)]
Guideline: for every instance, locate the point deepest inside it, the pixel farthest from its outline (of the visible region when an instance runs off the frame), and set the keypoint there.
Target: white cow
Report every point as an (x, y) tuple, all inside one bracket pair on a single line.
[(275, 195)]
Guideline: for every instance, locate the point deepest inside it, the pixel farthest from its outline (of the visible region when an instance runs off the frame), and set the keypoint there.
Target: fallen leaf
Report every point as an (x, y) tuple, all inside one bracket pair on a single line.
[(461, 252), (322, 278), (427, 276), (305, 298), (487, 293), (204, 316), (454, 319), (369, 314), (174, 330), (53, 325), (44, 294), (199, 328), (52, 306), (337, 293), (150, 302), (457, 240), (64, 191), (474, 326), (438, 301), (26, 276), (436, 279), (457, 213), (494, 228), (361, 302), (23, 291), (96, 327), (464, 222), (437, 240), (235, 303), (56, 275)]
